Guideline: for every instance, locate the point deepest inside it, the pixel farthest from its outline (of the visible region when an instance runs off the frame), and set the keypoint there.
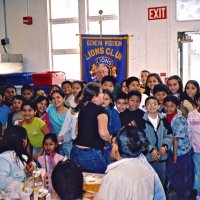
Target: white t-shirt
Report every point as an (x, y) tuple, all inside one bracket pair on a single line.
[(154, 122)]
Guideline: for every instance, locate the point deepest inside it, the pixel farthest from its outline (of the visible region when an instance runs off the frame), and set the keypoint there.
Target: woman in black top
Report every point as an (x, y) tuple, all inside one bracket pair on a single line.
[(92, 131)]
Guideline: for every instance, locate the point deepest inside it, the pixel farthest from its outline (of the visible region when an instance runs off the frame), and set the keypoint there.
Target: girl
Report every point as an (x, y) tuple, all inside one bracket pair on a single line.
[(42, 103), (92, 131), (189, 97), (123, 87), (175, 86), (67, 89), (57, 113), (114, 123), (50, 158), (36, 128), (194, 136), (15, 162), (77, 86), (152, 80)]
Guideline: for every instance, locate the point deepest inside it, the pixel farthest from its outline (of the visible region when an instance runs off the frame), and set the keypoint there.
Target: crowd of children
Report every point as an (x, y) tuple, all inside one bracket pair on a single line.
[(167, 114)]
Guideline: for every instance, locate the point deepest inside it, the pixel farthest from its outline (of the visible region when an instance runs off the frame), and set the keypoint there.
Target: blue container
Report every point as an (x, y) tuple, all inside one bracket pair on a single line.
[(18, 78)]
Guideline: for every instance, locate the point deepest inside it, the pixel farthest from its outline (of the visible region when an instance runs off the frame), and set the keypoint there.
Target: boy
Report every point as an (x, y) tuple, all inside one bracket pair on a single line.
[(27, 92), (16, 116), (133, 83), (121, 102), (108, 82), (133, 115), (160, 91), (8, 94), (4, 112), (179, 165), (159, 137), (39, 92)]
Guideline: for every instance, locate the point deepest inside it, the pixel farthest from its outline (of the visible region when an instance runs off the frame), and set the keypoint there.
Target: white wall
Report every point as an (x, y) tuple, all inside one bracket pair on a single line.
[(153, 47), (29, 40)]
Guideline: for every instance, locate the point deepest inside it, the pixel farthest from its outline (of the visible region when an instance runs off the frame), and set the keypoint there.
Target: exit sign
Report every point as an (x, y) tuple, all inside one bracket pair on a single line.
[(156, 13)]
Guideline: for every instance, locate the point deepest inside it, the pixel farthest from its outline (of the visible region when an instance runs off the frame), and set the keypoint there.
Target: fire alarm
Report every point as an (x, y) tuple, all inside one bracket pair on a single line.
[(28, 20)]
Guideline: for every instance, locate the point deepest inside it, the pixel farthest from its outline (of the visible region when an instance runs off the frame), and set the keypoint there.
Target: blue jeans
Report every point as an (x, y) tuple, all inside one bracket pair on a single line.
[(160, 168), (181, 174), (89, 160), (66, 149), (196, 159)]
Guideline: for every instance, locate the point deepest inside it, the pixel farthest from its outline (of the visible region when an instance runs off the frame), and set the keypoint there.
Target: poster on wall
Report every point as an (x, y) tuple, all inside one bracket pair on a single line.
[(111, 50)]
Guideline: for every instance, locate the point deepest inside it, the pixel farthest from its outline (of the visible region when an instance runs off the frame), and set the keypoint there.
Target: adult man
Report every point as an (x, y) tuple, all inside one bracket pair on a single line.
[(101, 71), (128, 177)]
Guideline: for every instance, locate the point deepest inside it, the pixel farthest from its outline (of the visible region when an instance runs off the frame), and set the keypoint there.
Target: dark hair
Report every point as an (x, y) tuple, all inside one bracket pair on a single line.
[(42, 98), (13, 141), (29, 103), (67, 180), (130, 141), (37, 89), (197, 97), (149, 98), (122, 83), (171, 98), (109, 78), (60, 92), (134, 93), (121, 95), (160, 88), (143, 71), (131, 79), (78, 82), (66, 82), (110, 94), (147, 89), (185, 95), (19, 97), (175, 77), (57, 86), (26, 87), (92, 89), (51, 136), (7, 87)]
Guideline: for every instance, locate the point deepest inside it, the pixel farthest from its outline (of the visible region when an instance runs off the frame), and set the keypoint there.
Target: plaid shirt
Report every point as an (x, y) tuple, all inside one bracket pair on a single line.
[(159, 193)]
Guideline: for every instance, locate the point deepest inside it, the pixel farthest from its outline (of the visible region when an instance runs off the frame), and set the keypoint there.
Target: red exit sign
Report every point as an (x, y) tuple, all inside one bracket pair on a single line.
[(156, 13)]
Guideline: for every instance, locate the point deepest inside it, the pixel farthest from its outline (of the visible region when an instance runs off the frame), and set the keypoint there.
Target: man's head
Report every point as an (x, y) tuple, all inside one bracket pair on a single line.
[(67, 180), (128, 143), (101, 71)]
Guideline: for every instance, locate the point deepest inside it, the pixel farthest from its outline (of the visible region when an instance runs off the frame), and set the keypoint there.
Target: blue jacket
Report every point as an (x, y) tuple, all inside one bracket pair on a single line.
[(159, 138)]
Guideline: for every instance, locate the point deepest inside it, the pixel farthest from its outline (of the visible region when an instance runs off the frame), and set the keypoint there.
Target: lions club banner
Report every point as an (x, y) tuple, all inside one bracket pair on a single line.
[(111, 50)]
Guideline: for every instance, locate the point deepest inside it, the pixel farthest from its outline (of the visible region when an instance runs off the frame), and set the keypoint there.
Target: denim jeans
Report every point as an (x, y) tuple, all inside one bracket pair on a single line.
[(66, 149), (89, 160), (196, 159), (160, 168), (181, 174)]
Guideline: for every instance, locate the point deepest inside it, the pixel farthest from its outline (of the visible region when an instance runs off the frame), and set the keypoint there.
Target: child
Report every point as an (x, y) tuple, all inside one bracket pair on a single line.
[(152, 80), (4, 112), (16, 117), (8, 94), (42, 103), (194, 136), (133, 114), (159, 137), (143, 78), (175, 86), (27, 92), (179, 165), (189, 97), (67, 89), (121, 102), (108, 82), (57, 113), (123, 87), (133, 83), (50, 158), (36, 128), (39, 92), (77, 86), (114, 123), (160, 91)]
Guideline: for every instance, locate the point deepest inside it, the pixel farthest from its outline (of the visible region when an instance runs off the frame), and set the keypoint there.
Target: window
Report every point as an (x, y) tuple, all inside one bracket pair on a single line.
[(69, 18)]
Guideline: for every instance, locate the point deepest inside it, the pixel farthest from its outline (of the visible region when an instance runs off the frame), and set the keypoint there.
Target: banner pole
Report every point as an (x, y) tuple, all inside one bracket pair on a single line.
[(100, 21)]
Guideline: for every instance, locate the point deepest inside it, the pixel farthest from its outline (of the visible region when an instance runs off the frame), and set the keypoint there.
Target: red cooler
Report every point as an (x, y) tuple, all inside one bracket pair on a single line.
[(48, 78)]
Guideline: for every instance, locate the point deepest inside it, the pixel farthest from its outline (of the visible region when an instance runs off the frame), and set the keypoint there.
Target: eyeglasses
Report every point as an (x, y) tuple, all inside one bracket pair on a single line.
[(152, 104)]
